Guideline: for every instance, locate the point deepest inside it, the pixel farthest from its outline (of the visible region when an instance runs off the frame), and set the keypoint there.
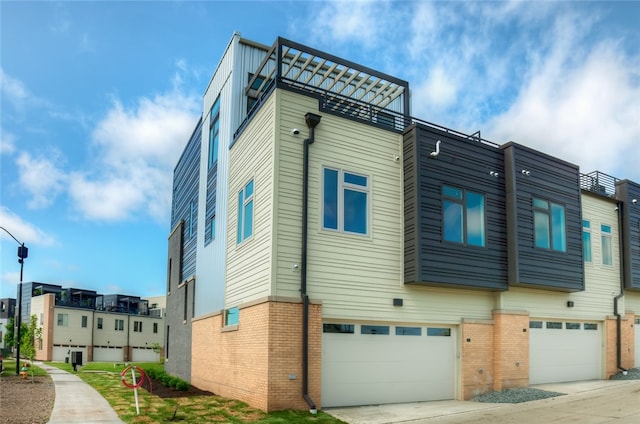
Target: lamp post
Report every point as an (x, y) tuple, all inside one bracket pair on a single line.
[(23, 253)]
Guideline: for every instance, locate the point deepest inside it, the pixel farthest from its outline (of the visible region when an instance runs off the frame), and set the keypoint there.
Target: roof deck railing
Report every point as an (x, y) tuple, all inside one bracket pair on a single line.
[(599, 183)]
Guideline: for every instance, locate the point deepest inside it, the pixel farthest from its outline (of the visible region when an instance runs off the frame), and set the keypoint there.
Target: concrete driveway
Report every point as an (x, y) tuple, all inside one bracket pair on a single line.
[(586, 402)]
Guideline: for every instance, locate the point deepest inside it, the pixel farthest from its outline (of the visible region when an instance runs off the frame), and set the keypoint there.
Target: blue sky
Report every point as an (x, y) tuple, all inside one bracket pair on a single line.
[(98, 100)]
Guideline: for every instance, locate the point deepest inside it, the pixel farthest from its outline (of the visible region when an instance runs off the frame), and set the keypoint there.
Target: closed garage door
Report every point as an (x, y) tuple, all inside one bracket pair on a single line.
[(637, 344), (564, 351), (375, 364), (108, 354)]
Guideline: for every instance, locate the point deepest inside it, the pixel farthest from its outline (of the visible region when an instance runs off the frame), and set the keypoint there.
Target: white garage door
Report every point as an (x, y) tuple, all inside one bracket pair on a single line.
[(637, 344), (141, 354), (375, 364), (108, 354), (564, 351)]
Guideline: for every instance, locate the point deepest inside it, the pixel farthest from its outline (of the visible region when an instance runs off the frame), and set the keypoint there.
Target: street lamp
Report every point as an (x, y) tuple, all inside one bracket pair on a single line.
[(23, 253)]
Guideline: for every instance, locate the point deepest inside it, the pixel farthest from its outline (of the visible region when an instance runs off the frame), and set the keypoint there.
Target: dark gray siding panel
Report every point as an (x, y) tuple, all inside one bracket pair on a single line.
[(462, 163), (626, 191), (182, 259), (554, 180), (186, 177)]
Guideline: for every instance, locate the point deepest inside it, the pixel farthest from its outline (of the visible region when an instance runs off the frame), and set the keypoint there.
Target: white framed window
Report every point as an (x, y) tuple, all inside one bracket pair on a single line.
[(345, 201), (607, 248), (63, 320), (245, 212), (119, 325), (214, 132)]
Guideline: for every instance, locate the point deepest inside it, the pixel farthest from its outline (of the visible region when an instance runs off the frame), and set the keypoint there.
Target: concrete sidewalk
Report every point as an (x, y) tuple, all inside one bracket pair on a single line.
[(622, 394), (76, 401)]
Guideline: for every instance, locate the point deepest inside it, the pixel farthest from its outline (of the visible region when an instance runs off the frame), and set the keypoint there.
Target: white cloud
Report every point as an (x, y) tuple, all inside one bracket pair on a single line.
[(42, 177), (7, 143), (25, 232), (13, 90), (587, 113), (136, 149)]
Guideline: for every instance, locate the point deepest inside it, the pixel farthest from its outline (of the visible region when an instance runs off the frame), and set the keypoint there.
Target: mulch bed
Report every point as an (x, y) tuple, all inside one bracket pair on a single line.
[(168, 392), (26, 401)]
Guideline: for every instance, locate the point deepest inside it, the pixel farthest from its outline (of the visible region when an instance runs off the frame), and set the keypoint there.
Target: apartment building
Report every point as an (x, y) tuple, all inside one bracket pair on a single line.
[(329, 249), (85, 326), (7, 310)]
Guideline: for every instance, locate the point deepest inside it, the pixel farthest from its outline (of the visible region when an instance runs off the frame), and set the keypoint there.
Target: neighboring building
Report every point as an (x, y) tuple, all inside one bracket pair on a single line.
[(327, 249), (118, 328), (7, 310)]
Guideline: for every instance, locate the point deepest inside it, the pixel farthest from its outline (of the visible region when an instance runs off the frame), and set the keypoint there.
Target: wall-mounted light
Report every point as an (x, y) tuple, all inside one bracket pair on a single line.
[(634, 201), (526, 172), (295, 131), (494, 174)]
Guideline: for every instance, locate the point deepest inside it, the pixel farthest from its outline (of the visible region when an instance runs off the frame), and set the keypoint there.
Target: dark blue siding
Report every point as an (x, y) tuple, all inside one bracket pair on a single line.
[(556, 181), (465, 164), (185, 194), (626, 191)]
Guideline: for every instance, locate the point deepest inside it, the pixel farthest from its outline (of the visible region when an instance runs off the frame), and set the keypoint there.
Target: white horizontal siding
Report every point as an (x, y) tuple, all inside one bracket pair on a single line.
[(355, 277), (252, 157)]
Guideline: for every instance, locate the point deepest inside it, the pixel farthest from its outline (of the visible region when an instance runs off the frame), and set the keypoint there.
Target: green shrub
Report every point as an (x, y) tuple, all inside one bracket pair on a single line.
[(182, 385)]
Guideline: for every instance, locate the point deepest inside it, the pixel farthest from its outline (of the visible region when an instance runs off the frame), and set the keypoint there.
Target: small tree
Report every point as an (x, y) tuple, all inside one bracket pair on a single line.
[(158, 349), (28, 340), (10, 335)]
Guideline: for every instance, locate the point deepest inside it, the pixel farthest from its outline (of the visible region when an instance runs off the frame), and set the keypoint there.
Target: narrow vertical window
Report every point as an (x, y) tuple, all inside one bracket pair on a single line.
[(607, 249), (99, 324), (232, 316), (166, 343), (245, 212), (463, 216), (214, 132), (213, 227), (345, 205), (586, 240), (186, 302), (193, 218), (155, 328), (169, 276), (84, 321), (549, 225)]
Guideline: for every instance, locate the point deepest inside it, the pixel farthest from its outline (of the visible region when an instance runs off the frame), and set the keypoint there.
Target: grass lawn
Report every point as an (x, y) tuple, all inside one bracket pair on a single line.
[(105, 378), (9, 368)]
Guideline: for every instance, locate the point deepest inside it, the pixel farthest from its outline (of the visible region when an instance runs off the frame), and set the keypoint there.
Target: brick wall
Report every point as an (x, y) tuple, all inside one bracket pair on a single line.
[(627, 345), (511, 347), (259, 361), (477, 358)]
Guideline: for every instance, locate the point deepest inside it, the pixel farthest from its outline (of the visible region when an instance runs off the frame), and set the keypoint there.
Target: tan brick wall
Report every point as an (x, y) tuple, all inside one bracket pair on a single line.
[(511, 346), (46, 354), (477, 358), (260, 361), (627, 345)]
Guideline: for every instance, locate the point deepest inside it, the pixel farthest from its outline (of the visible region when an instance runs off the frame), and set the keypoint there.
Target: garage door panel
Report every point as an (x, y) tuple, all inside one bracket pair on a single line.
[(565, 354), (364, 369)]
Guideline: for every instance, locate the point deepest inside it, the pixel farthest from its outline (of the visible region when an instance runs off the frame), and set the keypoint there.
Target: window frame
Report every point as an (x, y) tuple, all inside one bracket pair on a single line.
[(341, 209), (246, 203), (214, 133), (232, 316), (99, 323), (465, 212), (606, 238), (550, 224), (84, 321), (587, 249), (118, 327), (63, 320)]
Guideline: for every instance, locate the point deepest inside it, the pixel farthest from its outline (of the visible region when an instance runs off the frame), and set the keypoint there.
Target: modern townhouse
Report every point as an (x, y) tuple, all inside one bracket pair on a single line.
[(80, 325), (7, 310), (328, 249)]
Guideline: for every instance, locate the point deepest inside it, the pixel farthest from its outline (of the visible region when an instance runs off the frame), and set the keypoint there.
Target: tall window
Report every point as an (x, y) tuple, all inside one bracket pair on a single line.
[(84, 321), (214, 132), (245, 212), (549, 225), (119, 325), (607, 251), (63, 320), (155, 328), (586, 240), (213, 227), (463, 216), (99, 324), (345, 201), (193, 218), (137, 326)]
